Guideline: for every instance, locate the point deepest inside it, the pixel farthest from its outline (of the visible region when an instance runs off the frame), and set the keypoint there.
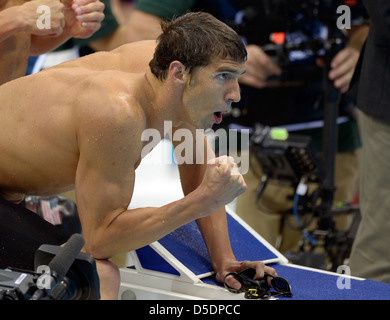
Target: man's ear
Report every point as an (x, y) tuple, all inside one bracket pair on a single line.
[(178, 72)]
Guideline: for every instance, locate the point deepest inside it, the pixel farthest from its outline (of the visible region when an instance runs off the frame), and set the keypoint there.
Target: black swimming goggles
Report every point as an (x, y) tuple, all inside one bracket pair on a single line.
[(259, 289)]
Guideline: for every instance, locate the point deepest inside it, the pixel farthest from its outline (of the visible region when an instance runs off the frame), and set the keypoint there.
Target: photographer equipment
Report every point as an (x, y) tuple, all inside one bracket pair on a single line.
[(293, 160), (285, 157), (69, 275), (309, 31), (16, 285), (295, 34), (259, 289), (292, 25)]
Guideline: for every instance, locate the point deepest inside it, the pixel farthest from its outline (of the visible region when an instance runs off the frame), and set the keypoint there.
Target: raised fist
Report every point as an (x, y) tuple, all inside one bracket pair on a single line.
[(222, 181), (44, 17)]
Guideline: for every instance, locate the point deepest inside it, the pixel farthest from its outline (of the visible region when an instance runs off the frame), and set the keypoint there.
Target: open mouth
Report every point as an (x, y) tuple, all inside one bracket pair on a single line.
[(218, 117)]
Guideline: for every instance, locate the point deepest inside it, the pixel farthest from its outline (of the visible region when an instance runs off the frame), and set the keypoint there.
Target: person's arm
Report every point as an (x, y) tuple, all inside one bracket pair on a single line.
[(259, 66), (11, 22), (344, 63), (82, 19), (24, 18), (110, 146), (213, 227), (44, 44)]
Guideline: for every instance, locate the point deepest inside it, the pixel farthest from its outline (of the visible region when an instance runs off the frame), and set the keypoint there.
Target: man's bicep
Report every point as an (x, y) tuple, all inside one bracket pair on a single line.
[(101, 194), (105, 173)]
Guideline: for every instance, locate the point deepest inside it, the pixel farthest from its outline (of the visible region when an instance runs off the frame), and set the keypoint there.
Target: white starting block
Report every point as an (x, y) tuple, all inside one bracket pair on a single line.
[(178, 265)]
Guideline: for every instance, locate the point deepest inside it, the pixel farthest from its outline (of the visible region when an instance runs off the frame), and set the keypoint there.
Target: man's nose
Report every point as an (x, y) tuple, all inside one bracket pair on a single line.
[(234, 95)]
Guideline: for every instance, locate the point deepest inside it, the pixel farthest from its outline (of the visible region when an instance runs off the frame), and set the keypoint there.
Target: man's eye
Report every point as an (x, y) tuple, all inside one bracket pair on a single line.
[(225, 76)]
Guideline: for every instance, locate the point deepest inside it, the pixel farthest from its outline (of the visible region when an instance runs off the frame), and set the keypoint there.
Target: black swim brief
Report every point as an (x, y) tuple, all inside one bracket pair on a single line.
[(22, 232)]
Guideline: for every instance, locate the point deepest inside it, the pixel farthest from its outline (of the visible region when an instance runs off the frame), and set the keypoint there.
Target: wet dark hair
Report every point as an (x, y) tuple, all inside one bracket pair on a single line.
[(195, 39)]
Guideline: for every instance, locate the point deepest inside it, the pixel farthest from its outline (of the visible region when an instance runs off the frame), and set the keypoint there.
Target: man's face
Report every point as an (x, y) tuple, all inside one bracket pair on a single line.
[(211, 91)]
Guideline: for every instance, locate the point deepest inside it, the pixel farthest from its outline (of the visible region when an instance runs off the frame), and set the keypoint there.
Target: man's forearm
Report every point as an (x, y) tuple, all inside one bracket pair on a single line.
[(357, 36), (213, 227), (214, 230), (43, 44), (135, 228), (10, 23)]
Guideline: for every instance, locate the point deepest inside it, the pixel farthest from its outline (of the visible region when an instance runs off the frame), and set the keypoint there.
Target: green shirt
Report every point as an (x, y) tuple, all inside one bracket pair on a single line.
[(165, 9)]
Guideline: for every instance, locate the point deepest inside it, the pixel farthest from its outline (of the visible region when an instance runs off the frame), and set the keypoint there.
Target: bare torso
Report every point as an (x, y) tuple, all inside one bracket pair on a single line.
[(80, 125), (41, 116)]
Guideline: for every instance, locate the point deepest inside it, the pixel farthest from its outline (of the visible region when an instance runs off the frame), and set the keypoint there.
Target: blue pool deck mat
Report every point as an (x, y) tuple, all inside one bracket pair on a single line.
[(182, 256), (313, 284), (184, 249)]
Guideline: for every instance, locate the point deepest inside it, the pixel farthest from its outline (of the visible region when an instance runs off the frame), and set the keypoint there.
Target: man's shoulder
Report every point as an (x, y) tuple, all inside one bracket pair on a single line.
[(112, 94), (135, 56), (136, 45), (107, 109)]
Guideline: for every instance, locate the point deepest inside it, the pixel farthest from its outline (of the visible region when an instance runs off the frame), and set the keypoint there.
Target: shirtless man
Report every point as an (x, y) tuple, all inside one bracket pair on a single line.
[(79, 125), (21, 36)]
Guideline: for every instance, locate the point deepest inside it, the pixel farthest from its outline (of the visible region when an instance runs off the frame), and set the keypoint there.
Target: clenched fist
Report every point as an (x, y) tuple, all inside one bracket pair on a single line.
[(83, 17), (222, 181), (74, 18), (49, 11)]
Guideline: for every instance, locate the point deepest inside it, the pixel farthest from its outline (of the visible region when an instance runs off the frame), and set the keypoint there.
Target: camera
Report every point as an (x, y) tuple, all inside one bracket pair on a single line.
[(286, 157), (16, 285), (294, 33), (68, 275)]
